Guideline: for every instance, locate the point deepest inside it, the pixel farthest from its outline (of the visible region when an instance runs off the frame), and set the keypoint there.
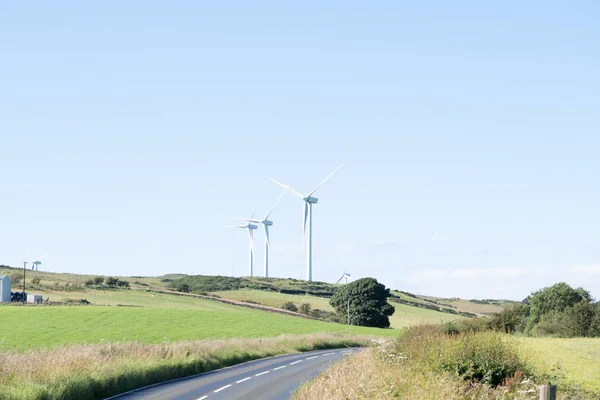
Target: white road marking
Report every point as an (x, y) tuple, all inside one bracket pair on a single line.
[(262, 373), (275, 369), (295, 362), (244, 380), (346, 352), (203, 397), (223, 388), (328, 354), (310, 358)]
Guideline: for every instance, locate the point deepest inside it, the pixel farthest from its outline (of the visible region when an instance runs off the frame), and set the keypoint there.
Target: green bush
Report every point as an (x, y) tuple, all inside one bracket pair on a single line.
[(473, 356), (305, 308), (289, 306)]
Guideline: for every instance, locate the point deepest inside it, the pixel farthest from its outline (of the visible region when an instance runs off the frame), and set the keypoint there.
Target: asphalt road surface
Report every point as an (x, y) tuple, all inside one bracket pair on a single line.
[(274, 378)]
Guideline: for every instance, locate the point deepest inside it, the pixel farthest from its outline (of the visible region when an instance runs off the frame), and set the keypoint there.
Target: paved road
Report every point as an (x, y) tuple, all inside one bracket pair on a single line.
[(274, 378)]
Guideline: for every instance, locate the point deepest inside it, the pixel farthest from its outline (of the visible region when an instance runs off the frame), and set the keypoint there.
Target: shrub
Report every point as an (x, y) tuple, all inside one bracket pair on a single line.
[(16, 278), (111, 281), (99, 280), (473, 356), (89, 282), (305, 308), (289, 306), (36, 280)]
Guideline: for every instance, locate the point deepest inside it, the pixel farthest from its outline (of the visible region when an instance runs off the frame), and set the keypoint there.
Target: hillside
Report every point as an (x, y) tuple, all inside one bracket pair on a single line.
[(273, 292)]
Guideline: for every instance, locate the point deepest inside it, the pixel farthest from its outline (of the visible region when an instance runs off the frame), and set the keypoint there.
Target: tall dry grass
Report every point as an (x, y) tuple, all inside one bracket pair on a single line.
[(99, 371), (426, 363)]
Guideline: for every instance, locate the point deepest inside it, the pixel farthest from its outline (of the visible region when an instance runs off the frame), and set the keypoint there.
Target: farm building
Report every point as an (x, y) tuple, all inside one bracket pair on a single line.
[(5, 289), (34, 298)]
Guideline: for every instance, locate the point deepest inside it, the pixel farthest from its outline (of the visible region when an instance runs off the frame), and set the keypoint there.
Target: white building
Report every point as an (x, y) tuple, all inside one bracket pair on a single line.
[(5, 289), (34, 298)]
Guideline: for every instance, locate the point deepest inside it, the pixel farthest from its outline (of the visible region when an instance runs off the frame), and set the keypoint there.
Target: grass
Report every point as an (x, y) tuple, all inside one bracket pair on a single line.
[(99, 371), (50, 326), (571, 363), (425, 363), (403, 317)]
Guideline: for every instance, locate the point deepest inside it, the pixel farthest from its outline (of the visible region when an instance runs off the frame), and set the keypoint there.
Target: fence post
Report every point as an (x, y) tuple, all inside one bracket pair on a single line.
[(547, 392)]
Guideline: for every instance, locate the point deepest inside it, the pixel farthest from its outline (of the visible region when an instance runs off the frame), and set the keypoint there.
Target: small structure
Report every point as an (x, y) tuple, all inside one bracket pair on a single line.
[(5, 284), (34, 298)]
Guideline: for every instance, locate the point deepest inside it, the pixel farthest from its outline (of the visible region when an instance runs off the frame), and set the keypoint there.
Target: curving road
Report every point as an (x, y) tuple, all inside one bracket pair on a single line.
[(274, 378)]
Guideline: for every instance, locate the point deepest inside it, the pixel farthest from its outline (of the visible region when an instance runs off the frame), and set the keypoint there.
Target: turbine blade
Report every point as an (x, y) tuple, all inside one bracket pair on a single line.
[(267, 235), (253, 212), (323, 181), (279, 198), (304, 220), (236, 226), (39, 258), (288, 188), (257, 221)]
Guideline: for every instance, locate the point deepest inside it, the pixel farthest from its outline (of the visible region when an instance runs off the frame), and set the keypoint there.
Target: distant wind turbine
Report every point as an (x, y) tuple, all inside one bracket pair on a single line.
[(308, 203), (266, 224), (251, 228), (345, 276)]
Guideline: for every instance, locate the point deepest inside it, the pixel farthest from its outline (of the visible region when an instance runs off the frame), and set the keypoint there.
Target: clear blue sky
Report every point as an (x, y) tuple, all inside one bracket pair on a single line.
[(470, 133)]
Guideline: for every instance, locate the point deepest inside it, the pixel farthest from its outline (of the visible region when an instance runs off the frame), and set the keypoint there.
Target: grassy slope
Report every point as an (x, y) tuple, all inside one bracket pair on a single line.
[(49, 326), (578, 360), (404, 316)]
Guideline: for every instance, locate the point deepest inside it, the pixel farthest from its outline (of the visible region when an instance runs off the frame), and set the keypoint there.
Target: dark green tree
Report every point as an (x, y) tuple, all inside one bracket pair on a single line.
[(99, 280), (554, 298), (368, 303), (511, 319), (112, 281)]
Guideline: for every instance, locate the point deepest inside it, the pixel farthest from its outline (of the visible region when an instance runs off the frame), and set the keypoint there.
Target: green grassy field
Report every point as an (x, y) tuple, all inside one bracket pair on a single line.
[(404, 316), (574, 361), (51, 326)]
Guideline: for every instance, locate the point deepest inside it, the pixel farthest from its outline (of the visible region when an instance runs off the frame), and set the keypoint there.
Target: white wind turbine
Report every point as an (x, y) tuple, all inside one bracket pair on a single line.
[(308, 203), (266, 224), (251, 229), (345, 276)]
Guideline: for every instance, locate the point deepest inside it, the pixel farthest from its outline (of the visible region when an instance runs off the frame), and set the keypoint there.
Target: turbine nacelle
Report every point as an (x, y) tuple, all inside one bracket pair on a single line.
[(310, 199), (250, 226), (267, 222)]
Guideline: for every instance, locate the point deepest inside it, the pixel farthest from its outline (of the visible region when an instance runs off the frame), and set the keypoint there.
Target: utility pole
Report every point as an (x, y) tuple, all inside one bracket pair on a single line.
[(24, 265), (348, 308)]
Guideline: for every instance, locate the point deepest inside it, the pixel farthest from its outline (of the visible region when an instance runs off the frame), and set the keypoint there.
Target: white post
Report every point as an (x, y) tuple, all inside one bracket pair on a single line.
[(266, 259), (251, 259), (309, 245), (251, 246)]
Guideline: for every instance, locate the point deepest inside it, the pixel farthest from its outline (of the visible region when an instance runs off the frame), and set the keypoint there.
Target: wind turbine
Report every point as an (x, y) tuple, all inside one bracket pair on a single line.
[(308, 203), (345, 276), (35, 264), (251, 228), (266, 224)]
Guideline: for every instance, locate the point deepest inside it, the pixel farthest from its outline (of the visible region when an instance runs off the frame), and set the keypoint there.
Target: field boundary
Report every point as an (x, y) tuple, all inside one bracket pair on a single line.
[(237, 303)]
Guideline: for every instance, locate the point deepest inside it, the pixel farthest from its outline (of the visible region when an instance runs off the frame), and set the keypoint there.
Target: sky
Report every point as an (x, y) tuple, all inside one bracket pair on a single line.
[(130, 133)]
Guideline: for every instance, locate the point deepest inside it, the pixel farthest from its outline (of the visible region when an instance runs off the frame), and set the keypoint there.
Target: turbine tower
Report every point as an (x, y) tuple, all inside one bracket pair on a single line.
[(35, 264), (308, 203), (251, 229), (266, 224), (345, 276)]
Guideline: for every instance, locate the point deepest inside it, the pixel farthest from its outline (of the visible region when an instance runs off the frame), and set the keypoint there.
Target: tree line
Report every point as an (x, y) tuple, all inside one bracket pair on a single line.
[(557, 311)]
